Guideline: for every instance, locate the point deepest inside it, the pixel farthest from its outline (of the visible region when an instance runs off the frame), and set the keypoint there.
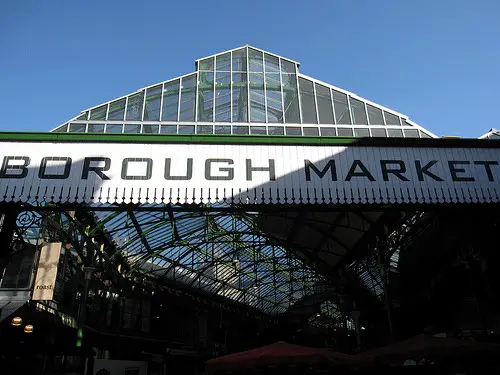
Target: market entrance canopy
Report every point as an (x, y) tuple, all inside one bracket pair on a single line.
[(120, 169)]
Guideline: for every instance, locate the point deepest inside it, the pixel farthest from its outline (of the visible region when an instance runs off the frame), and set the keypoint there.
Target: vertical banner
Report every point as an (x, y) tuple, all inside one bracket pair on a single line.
[(47, 271)]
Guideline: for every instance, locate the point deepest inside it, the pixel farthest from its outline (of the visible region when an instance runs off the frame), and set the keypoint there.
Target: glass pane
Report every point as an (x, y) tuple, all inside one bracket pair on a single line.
[(273, 95), (275, 130), (342, 114), (186, 129), (391, 119), (99, 113), (258, 130), (223, 97), (329, 132), (375, 115), (257, 101), (361, 132), (272, 63), (222, 129), (240, 100), (344, 132), (310, 132), (153, 103), (290, 98), (223, 62), (307, 102), (77, 128), (188, 98), (424, 134), (117, 110), (207, 64), (293, 130), (170, 101), (205, 129), (135, 128), (240, 60), (61, 129), (358, 112), (255, 61), (395, 133), (95, 128), (206, 96), (114, 128), (168, 129), (324, 105), (379, 133), (82, 117), (240, 129), (287, 67), (134, 106), (150, 129), (411, 133)]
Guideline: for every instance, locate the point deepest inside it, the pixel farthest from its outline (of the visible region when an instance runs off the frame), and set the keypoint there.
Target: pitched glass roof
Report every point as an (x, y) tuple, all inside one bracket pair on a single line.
[(244, 91)]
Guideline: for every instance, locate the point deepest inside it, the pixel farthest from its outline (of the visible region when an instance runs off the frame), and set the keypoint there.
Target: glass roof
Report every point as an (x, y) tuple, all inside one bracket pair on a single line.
[(244, 91)]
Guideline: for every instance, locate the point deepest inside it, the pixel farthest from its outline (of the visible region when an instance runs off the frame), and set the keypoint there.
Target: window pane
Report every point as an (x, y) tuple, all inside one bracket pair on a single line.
[(77, 128), (61, 129), (411, 133), (223, 97), (275, 130), (207, 64), (272, 63), (395, 133), (168, 129), (170, 101), (293, 130), (379, 133), (291, 98), (287, 67), (255, 61), (273, 96), (358, 112), (222, 129), (205, 129), (342, 114), (223, 62), (240, 129), (186, 129), (188, 97), (132, 128), (391, 119), (206, 96), (259, 130), (257, 101), (375, 115), (307, 102), (117, 110), (153, 103), (324, 105), (134, 106), (95, 128), (424, 135), (150, 129), (344, 132), (99, 113), (329, 132), (240, 99), (114, 128), (83, 116), (240, 60), (361, 132), (311, 132)]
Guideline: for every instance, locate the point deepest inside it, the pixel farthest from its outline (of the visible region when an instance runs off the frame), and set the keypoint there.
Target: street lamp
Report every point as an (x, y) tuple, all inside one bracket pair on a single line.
[(17, 321)]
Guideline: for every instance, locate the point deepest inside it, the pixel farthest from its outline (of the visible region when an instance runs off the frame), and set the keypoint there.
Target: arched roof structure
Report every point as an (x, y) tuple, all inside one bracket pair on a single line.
[(245, 91)]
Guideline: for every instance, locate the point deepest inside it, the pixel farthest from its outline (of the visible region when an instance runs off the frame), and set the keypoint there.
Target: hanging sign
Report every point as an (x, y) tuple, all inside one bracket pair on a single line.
[(46, 273), (196, 173)]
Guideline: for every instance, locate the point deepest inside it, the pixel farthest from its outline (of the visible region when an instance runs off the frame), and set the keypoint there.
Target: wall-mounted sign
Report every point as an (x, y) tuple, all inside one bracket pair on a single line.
[(46, 273), (194, 173)]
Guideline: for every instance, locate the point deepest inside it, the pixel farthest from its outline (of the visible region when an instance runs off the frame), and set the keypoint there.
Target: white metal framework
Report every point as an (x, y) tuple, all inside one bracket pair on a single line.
[(245, 91)]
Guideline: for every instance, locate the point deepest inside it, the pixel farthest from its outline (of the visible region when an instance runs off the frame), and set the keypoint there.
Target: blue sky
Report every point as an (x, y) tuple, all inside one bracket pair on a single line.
[(436, 61)]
